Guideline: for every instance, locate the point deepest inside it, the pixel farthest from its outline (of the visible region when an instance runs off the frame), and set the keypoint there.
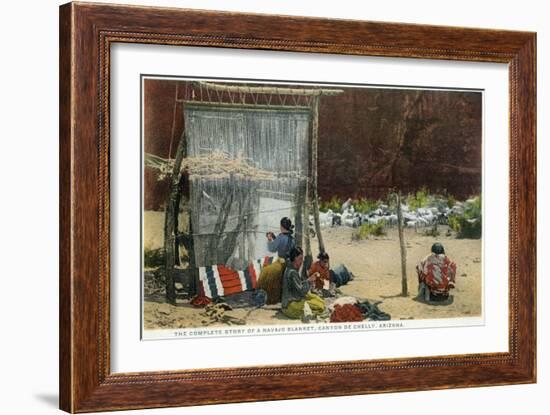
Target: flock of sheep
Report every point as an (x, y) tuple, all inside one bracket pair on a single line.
[(436, 213)]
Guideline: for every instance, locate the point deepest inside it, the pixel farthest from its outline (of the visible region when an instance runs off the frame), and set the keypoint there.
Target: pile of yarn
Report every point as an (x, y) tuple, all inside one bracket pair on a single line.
[(346, 313)]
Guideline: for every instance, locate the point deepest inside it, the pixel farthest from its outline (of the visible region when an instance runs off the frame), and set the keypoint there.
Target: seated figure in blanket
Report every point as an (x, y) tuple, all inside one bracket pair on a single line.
[(436, 275)]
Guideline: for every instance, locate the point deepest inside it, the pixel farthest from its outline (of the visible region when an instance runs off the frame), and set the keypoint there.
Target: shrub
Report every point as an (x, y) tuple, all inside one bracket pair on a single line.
[(334, 204), (420, 199), (367, 229), (366, 205), (468, 224), (432, 232)]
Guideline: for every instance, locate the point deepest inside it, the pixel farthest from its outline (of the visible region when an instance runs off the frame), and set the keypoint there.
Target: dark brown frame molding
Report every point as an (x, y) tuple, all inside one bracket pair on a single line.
[(86, 33)]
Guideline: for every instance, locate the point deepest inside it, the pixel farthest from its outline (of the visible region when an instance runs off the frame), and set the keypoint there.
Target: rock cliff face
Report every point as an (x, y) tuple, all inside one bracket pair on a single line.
[(371, 140)]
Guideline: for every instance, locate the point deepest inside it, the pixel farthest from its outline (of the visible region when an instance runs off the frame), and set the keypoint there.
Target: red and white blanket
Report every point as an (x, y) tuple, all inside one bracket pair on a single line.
[(218, 280), (437, 272)]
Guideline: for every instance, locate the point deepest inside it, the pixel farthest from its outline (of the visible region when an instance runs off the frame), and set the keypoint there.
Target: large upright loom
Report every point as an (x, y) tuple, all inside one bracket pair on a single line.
[(247, 157)]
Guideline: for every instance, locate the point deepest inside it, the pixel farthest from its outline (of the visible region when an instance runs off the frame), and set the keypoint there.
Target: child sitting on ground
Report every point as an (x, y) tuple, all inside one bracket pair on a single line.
[(320, 269)]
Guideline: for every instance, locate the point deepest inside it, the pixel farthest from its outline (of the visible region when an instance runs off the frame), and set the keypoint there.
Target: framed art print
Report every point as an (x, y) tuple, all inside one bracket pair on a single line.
[(262, 207)]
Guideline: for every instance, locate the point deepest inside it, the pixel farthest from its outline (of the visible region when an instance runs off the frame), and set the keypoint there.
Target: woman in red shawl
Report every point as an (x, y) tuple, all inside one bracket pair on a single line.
[(436, 275), (320, 269)]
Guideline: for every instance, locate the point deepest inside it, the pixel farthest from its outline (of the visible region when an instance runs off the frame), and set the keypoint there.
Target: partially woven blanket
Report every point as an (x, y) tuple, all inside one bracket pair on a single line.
[(218, 280)]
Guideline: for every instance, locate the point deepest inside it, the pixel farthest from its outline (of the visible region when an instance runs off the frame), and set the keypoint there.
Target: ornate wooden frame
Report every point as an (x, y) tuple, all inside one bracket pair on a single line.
[(86, 33)]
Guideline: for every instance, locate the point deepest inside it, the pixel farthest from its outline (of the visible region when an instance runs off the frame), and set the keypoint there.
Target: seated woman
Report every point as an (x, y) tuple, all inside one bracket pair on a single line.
[(436, 275), (271, 280), (321, 270), (296, 289), (271, 277), (284, 242)]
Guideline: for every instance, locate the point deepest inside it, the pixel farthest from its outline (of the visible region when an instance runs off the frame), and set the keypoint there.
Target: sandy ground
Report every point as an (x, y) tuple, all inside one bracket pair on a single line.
[(376, 265), (377, 269)]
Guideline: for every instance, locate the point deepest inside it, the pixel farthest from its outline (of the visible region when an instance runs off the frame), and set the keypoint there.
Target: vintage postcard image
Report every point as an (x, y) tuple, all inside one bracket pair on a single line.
[(290, 207)]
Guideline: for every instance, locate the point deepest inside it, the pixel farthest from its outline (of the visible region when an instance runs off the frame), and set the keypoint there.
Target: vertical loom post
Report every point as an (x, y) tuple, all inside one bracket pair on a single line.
[(170, 222), (305, 211), (306, 232), (314, 156), (298, 211)]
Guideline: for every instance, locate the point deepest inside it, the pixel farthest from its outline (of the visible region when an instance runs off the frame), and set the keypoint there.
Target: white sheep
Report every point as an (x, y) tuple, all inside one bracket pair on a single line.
[(422, 221), (411, 224), (391, 220), (326, 218), (351, 221), (374, 220)]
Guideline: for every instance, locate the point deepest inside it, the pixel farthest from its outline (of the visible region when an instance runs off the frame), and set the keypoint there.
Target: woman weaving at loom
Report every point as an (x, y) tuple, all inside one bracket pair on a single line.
[(271, 276), (284, 242)]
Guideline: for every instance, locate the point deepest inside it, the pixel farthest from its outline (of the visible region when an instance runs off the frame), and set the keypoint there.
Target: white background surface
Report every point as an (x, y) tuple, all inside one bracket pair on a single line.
[(129, 354), (28, 219)]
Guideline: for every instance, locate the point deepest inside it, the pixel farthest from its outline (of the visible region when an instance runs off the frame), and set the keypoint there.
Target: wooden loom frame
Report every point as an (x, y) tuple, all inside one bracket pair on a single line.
[(87, 32), (174, 198)]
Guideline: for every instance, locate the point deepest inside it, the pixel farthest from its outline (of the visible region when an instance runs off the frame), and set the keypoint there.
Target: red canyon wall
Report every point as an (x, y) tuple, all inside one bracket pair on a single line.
[(370, 140)]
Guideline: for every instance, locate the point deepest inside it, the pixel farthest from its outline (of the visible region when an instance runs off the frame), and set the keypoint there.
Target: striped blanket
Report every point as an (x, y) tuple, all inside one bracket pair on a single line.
[(218, 280)]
